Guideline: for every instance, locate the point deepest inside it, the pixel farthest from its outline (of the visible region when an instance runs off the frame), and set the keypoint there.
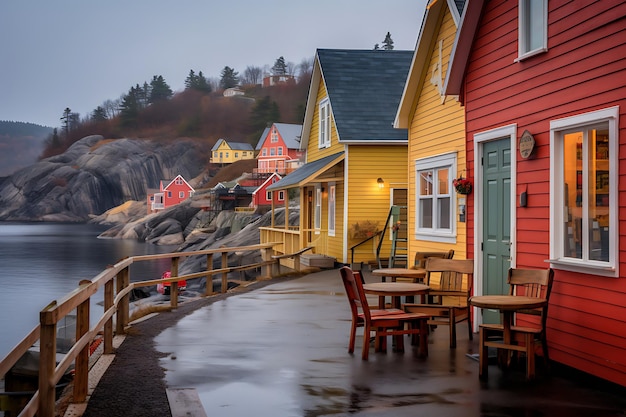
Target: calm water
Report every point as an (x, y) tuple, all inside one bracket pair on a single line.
[(40, 262)]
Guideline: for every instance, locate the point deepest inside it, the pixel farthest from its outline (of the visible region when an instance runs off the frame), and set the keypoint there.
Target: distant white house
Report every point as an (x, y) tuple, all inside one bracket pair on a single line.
[(234, 91)]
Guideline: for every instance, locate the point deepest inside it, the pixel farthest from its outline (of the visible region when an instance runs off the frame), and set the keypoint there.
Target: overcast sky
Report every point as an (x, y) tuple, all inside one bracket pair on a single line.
[(78, 53)]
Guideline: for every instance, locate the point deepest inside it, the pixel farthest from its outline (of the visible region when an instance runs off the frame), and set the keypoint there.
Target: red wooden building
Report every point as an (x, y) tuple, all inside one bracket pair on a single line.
[(170, 193), (278, 149), (542, 84), (263, 198)]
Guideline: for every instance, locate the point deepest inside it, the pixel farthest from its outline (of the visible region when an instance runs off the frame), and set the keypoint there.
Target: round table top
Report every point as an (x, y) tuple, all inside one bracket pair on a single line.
[(400, 272), (395, 288), (507, 302)]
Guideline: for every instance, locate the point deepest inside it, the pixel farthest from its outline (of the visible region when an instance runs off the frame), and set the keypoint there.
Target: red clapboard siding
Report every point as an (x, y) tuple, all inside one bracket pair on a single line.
[(583, 70)]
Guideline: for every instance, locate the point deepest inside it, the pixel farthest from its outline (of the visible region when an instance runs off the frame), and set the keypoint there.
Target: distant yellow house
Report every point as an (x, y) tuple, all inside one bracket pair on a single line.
[(224, 152), (356, 164), (436, 124)]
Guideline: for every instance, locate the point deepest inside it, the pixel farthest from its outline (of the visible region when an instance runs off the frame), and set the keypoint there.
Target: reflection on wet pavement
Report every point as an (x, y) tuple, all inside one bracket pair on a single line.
[(282, 351)]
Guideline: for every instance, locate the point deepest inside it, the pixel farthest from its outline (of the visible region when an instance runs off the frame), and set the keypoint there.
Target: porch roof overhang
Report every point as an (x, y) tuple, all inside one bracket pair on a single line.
[(307, 173)]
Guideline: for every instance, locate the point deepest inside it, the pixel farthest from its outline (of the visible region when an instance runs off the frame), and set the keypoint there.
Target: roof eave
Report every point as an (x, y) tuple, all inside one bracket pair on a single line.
[(462, 46)]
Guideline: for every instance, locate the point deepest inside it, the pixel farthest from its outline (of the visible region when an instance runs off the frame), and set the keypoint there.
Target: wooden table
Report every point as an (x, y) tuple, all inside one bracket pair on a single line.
[(508, 305), (416, 274), (395, 290)]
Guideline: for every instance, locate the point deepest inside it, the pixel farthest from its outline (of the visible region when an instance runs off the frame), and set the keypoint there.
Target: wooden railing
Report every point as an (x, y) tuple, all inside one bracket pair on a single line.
[(115, 282)]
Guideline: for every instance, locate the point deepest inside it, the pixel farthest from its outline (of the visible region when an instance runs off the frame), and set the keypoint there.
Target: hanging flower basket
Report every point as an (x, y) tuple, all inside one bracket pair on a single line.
[(462, 185)]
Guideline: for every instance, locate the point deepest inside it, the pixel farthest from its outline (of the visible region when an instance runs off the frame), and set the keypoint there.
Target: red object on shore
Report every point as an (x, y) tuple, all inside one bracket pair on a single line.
[(165, 287)]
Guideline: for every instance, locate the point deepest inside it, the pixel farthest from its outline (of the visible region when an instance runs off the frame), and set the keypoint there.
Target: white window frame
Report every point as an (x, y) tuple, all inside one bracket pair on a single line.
[(434, 234), (528, 25), (181, 194), (558, 260), (281, 195), (324, 124), (332, 205), (317, 210), (268, 195), (274, 138)]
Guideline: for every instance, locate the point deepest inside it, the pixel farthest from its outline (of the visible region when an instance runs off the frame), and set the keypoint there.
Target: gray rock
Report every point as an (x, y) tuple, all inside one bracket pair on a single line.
[(94, 175)]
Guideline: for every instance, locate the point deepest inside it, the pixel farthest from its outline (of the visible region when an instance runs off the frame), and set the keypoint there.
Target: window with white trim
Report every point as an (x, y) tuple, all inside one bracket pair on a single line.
[(272, 151), (264, 152), (332, 188), (583, 190), (268, 195), (281, 195), (181, 194), (533, 27), (317, 216), (435, 211), (324, 124), (280, 151), (274, 136)]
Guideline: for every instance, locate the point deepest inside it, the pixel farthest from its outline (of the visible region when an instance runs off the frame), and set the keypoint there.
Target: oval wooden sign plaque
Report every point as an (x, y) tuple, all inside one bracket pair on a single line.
[(526, 144)]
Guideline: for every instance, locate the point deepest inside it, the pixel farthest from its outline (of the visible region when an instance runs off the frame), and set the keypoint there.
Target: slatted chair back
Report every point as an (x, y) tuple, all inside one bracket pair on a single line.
[(420, 257), (535, 283), (456, 275), (355, 293)]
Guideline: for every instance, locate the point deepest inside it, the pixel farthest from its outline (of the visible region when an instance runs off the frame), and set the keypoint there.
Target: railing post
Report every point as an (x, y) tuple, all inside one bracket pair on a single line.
[(174, 284), (81, 366), (109, 297), (123, 309), (225, 273), (47, 361), (208, 290), (267, 268)]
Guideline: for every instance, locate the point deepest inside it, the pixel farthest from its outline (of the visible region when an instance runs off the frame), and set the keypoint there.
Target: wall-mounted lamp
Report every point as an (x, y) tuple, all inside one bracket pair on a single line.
[(381, 183)]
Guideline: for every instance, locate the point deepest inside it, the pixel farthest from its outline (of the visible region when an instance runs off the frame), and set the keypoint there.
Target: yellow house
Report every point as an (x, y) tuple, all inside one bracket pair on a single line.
[(356, 161), (224, 152), (436, 124)]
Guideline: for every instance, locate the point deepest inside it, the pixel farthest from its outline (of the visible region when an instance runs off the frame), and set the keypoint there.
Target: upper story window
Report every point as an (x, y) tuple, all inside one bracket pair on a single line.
[(272, 151), (533, 27), (435, 212), (280, 150), (274, 135), (179, 181), (583, 191), (264, 152), (324, 128)]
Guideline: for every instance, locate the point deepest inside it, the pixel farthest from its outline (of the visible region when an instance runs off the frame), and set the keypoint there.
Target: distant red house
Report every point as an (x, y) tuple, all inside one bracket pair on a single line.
[(278, 149), (542, 84), (271, 80), (261, 197), (170, 193)]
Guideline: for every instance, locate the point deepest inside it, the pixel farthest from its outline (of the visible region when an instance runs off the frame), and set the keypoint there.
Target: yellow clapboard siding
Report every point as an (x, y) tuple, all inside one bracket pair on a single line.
[(313, 151), (436, 127)]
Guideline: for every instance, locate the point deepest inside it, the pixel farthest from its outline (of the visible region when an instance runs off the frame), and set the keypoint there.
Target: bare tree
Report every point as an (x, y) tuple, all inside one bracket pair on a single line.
[(305, 69), (252, 75), (290, 68)]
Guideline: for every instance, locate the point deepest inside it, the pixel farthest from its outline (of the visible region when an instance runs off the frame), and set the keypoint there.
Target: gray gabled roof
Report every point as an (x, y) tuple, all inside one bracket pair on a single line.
[(289, 132), (235, 146), (364, 88), (306, 172)]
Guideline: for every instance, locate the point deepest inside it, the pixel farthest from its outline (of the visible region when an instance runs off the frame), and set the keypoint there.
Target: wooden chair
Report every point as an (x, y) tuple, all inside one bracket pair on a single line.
[(530, 283), (392, 322), (456, 280), (420, 262)]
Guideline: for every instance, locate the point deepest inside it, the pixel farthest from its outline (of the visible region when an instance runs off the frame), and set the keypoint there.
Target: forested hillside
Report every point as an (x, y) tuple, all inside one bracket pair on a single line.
[(193, 113)]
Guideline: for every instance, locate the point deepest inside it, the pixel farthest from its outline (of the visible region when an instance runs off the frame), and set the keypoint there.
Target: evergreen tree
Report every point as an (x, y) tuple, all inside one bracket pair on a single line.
[(229, 78), (99, 114), (280, 67), (388, 43), (159, 90), (66, 121), (130, 106), (264, 113), (191, 80)]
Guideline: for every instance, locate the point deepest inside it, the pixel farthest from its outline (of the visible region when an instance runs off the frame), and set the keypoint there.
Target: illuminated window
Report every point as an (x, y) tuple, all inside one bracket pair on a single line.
[(584, 192)]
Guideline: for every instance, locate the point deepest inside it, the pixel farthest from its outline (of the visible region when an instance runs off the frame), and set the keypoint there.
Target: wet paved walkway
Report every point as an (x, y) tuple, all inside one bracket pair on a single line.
[(281, 350)]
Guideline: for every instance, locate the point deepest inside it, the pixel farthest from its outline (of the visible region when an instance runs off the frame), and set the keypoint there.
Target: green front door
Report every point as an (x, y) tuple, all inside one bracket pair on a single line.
[(496, 223)]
